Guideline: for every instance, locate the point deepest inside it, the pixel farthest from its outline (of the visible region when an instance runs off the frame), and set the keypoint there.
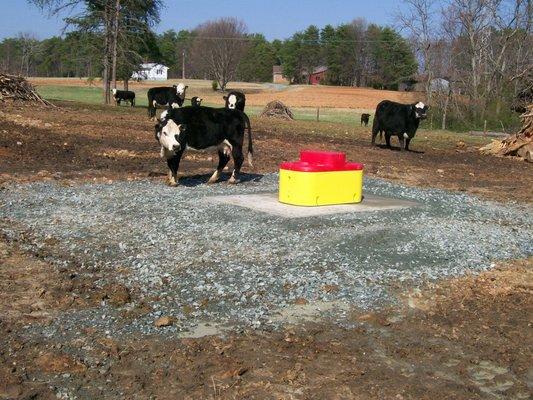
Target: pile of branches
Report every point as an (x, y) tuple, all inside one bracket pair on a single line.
[(519, 144), (276, 109), (19, 89)]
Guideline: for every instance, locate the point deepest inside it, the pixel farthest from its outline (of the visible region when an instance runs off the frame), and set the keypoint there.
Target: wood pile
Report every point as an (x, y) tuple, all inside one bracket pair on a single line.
[(276, 109), (19, 89), (519, 144)]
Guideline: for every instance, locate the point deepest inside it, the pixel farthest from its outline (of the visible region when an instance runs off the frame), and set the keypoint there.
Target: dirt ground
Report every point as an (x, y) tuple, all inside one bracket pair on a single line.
[(463, 338), (92, 142)]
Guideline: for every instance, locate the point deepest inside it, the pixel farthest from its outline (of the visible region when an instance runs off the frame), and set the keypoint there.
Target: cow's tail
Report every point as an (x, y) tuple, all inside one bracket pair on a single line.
[(250, 146), (375, 129)]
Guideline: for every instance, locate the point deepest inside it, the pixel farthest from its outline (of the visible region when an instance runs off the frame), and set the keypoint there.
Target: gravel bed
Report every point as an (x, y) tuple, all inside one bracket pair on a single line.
[(228, 265)]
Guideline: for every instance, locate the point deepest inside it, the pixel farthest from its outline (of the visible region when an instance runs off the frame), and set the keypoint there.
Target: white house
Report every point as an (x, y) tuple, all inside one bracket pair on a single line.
[(151, 71)]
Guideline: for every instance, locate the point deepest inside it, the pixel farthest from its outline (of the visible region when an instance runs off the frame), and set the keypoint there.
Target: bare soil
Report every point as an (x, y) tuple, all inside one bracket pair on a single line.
[(464, 338), (83, 142)]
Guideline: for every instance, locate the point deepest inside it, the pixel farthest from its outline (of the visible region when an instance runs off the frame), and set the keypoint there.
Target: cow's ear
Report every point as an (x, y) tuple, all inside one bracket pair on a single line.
[(183, 127), (186, 86), (225, 97)]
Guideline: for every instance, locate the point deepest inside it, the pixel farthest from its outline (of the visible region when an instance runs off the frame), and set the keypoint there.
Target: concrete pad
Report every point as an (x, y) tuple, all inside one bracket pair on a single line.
[(268, 203)]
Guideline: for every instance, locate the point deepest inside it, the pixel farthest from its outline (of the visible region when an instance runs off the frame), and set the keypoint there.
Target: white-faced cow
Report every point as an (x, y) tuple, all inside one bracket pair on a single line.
[(397, 119), (165, 96), (124, 95), (235, 100), (200, 128), (196, 101)]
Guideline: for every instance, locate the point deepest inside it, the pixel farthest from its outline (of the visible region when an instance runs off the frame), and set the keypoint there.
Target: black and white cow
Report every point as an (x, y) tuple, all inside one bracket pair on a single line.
[(165, 96), (364, 119), (124, 95), (196, 101), (398, 119), (235, 100), (200, 128)]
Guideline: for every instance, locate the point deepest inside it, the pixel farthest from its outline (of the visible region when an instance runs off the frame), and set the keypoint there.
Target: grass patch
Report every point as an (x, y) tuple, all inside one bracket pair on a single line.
[(94, 95)]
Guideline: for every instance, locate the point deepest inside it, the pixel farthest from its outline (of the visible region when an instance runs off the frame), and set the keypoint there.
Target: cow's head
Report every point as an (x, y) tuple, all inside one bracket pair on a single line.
[(235, 100), (168, 134), (231, 101), (421, 110), (196, 101), (180, 89), (114, 91)]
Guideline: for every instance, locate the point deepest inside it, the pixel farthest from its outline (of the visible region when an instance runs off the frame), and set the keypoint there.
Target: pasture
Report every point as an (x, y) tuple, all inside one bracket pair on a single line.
[(115, 285)]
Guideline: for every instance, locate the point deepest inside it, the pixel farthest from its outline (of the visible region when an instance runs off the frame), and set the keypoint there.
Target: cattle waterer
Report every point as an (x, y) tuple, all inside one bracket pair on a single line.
[(319, 179)]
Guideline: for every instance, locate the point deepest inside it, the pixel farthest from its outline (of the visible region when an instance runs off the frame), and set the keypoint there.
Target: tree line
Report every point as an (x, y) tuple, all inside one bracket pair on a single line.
[(356, 54)]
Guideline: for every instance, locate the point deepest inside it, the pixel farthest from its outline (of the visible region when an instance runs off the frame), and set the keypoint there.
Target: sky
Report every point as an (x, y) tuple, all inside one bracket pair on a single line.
[(276, 19)]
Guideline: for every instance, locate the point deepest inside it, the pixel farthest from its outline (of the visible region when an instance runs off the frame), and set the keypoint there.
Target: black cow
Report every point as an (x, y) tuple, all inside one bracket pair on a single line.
[(398, 119), (126, 95), (235, 100), (364, 119), (196, 101), (198, 128), (165, 96)]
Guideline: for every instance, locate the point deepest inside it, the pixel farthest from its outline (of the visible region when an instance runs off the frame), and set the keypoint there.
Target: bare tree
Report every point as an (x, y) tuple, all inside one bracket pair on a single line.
[(218, 47), (30, 47), (419, 19)]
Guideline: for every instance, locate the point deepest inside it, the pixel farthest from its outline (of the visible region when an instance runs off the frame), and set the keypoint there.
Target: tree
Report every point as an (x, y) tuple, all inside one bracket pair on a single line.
[(393, 59), (418, 18), (257, 61), (301, 54), (121, 24), (218, 46)]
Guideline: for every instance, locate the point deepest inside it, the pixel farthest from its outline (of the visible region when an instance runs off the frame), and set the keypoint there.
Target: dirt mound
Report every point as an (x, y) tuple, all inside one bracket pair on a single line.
[(276, 109), (17, 88), (520, 144)]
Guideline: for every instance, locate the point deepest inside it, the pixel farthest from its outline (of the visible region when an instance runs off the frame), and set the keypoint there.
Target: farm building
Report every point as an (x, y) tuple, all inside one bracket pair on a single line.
[(318, 75), (152, 72), (418, 84), (277, 75)]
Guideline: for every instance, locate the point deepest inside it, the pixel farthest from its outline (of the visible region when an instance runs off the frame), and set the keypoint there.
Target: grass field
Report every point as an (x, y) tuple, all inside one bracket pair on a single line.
[(93, 95)]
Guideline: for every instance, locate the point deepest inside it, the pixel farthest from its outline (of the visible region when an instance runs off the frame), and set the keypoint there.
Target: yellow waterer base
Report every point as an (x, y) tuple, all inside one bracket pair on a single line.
[(320, 188)]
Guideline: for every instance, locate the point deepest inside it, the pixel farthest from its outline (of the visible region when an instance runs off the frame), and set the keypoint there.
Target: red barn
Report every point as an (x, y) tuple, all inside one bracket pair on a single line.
[(318, 75)]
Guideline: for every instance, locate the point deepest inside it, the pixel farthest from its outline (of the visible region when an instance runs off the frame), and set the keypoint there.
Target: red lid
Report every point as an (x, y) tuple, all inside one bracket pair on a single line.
[(321, 161)]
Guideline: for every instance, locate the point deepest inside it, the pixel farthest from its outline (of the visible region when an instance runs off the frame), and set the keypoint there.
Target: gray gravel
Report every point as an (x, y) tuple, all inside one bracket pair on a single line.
[(230, 265)]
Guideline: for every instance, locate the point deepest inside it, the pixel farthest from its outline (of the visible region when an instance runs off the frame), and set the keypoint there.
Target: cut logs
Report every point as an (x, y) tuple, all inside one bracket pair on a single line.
[(519, 144), (276, 109), (19, 89)]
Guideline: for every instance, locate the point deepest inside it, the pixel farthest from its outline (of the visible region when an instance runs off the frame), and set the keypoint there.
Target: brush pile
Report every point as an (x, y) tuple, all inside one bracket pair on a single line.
[(16, 88), (276, 109), (519, 144)]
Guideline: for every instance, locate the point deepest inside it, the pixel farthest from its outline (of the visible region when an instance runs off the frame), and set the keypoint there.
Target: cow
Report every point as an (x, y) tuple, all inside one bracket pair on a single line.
[(196, 101), (126, 95), (199, 128), (398, 119), (235, 100), (364, 119), (165, 96)]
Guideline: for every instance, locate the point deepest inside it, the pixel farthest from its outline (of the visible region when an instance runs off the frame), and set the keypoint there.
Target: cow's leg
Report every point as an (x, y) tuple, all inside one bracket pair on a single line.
[(238, 159), (387, 139), (407, 141), (223, 158), (374, 134), (173, 165), (402, 142)]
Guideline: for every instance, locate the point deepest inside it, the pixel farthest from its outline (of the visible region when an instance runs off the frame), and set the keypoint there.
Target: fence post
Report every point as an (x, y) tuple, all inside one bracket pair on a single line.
[(318, 114)]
